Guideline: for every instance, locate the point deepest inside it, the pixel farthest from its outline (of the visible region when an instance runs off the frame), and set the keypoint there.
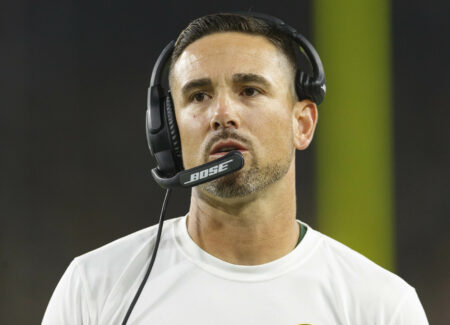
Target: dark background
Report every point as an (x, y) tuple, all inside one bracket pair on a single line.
[(74, 163)]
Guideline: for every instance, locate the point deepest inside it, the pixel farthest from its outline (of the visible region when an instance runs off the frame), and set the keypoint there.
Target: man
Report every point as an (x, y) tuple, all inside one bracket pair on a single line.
[(239, 256)]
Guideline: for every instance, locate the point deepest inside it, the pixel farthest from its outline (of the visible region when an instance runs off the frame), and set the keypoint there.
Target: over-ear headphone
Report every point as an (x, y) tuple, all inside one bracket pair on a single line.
[(161, 128)]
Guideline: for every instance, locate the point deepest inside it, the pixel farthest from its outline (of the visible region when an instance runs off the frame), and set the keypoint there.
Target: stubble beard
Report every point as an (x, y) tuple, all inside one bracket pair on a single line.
[(253, 179)]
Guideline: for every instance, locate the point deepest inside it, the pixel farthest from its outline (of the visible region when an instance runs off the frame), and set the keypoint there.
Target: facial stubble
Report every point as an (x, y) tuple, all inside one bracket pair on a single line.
[(249, 180)]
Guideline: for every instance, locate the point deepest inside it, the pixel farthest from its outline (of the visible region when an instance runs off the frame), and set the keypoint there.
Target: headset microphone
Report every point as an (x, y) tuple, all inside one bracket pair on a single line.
[(227, 164)]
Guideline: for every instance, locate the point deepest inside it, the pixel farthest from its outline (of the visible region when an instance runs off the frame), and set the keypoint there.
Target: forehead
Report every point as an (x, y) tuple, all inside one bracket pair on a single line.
[(221, 55)]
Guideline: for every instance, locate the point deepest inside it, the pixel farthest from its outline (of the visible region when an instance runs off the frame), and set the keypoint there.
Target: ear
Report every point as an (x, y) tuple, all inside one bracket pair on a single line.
[(304, 118)]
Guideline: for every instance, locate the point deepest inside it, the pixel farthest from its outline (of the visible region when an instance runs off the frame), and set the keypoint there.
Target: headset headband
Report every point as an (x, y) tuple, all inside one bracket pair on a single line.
[(317, 80), (311, 53)]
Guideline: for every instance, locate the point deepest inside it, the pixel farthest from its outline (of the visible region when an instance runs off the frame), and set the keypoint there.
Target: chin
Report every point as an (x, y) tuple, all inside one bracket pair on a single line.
[(234, 185), (248, 181)]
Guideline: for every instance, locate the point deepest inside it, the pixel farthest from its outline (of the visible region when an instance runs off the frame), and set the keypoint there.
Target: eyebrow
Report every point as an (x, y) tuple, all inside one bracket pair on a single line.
[(250, 77), (237, 78), (196, 83)]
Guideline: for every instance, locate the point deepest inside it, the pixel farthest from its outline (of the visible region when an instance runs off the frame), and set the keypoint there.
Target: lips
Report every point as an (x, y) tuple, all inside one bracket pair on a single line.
[(223, 147)]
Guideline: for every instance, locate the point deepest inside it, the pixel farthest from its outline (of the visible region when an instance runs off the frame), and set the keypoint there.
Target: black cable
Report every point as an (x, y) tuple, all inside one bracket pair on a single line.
[(155, 250)]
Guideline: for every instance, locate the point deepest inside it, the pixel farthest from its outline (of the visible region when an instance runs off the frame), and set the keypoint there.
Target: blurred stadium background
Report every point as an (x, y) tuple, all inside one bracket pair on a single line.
[(74, 163)]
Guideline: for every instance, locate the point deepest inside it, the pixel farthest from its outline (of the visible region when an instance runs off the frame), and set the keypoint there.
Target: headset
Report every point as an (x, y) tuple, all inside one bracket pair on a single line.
[(164, 139)]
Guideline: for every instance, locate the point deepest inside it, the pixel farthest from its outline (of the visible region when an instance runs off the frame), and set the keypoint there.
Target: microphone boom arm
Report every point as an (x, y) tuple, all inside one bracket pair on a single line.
[(227, 164)]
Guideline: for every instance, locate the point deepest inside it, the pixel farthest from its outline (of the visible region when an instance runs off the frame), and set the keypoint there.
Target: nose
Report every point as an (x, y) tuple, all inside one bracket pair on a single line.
[(225, 114)]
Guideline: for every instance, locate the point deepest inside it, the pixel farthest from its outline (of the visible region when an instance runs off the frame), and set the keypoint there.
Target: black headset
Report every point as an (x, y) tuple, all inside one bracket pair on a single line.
[(164, 139), (161, 127)]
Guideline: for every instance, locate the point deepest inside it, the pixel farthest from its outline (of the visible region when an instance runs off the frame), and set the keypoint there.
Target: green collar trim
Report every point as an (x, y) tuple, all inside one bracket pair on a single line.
[(303, 230)]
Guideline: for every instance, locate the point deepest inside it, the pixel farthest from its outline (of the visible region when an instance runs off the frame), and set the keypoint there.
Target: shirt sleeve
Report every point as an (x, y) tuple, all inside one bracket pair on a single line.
[(410, 311), (69, 302)]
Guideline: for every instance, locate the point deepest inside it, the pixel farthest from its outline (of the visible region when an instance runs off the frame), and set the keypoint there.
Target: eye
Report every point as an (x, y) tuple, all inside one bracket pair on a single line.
[(198, 97), (250, 92)]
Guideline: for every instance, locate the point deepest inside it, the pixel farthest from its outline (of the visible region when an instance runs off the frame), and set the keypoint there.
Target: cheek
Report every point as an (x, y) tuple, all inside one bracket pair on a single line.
[(191, 127), (186, 125), (272, 130)]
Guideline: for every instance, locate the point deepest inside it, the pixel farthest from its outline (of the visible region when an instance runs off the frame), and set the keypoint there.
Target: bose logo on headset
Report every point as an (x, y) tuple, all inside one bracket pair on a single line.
[(209, 172)]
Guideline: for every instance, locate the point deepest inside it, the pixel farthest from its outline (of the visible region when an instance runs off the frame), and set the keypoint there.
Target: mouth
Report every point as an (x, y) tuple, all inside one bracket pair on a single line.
[(221, 148)]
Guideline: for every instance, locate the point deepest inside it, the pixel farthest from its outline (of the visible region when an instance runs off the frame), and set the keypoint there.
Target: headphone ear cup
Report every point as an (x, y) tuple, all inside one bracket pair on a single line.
[(174, 135), (317, 91), (307, 88)]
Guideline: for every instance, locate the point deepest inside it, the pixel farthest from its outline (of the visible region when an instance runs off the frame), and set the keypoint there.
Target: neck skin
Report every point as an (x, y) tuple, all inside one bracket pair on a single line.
[(255, 230)]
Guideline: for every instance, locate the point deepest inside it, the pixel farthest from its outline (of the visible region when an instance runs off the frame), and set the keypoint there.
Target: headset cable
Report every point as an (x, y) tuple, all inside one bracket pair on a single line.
[(152, 260)]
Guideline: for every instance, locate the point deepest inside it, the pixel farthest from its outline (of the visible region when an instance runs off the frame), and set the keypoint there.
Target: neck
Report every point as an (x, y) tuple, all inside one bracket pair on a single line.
[(251, 231)]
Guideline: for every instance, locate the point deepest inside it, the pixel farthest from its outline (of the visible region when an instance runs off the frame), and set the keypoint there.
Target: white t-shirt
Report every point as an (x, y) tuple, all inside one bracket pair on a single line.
[(320, 282)]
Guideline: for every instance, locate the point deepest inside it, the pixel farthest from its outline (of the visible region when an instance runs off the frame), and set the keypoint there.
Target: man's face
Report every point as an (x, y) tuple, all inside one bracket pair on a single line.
[(235, 90)]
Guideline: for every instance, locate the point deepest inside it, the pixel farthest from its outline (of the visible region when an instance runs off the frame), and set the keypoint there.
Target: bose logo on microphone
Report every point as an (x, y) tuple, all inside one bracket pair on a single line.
[(209, 171)]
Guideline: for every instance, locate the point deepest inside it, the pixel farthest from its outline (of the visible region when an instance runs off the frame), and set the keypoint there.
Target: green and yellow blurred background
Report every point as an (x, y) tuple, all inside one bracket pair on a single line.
[(75, 168)]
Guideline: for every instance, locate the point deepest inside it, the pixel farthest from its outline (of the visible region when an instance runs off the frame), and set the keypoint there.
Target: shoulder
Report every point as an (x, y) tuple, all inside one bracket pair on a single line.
[(353, 264), (125, 252), (358, 271), (114, 254), (361, 285), (112, 269)]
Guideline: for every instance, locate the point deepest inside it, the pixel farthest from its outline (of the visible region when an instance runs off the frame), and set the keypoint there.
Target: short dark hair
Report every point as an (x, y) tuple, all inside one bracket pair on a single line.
[(226, 22)]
